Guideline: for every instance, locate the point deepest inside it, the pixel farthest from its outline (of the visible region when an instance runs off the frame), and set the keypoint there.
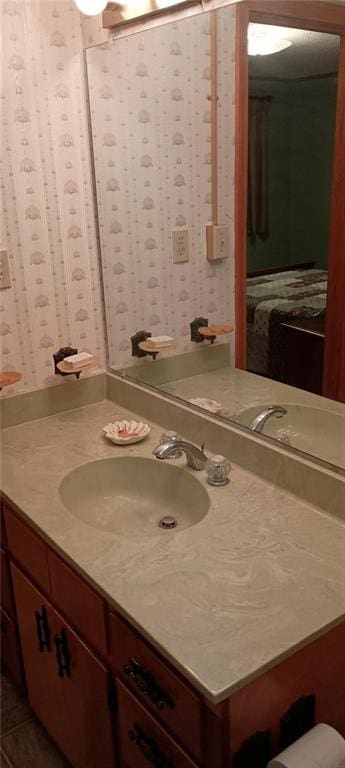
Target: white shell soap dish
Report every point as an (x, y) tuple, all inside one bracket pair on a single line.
[(208, 405), (126, 432)]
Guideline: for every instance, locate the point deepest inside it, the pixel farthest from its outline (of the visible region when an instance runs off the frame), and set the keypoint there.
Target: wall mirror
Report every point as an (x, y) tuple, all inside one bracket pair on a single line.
[(163, 112)]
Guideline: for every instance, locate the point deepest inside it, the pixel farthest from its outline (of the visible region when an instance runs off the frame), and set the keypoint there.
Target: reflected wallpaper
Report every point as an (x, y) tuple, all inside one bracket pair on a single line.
[(150, 113)]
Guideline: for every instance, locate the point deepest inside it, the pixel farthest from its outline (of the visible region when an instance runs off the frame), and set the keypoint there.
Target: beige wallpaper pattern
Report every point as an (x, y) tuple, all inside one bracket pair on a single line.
[(151, 136), (48, 212)]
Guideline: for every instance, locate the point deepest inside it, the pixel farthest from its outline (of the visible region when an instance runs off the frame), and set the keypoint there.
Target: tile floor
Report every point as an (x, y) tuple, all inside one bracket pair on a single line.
[(24, 743)]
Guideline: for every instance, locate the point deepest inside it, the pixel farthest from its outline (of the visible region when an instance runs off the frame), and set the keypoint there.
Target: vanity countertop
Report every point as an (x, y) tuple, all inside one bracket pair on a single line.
[(260, 576)]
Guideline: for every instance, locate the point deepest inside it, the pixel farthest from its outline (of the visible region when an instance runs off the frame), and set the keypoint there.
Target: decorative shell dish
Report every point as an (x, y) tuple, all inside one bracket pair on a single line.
[(126, 432), (208, 405)]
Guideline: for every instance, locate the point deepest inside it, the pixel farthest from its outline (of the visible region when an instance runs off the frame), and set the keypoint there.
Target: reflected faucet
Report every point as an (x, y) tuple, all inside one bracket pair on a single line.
[(258, 423), (195, 457)]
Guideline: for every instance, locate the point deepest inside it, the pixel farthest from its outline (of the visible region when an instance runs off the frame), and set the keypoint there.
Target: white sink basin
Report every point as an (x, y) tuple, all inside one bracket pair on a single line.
[(313, 430), (129, 494)]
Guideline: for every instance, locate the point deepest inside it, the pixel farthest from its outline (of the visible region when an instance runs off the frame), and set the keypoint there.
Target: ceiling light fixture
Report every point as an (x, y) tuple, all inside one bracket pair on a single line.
[(264, 40), (91, 7)]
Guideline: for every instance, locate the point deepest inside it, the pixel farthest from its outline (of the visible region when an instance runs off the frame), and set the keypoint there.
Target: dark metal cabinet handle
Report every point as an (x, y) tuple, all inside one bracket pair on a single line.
[(147, 684), (42, 629), (149, 748), (63, 657)]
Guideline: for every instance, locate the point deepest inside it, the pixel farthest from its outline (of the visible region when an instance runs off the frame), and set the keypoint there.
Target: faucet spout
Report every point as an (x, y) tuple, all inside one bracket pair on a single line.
[(196, 459), (258, 423)]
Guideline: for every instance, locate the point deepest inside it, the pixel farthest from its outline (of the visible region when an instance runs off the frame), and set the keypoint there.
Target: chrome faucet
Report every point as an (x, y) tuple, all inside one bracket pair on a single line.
[(195, 457), (258, 423)]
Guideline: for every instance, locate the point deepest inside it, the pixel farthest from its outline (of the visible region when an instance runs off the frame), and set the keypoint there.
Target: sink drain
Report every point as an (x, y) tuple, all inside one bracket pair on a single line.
[(168, 522)]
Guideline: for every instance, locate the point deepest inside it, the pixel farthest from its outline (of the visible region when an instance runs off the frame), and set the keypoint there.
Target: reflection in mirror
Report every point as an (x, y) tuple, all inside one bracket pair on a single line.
[(162, 108), (292, 110)]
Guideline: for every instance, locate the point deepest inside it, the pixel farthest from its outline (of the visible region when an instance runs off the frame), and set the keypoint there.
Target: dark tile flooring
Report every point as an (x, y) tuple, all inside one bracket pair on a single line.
[(24, 743)]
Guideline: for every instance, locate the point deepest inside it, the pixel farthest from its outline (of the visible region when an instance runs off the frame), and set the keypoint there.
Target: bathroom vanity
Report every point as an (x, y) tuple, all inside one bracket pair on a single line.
[(172, 648)]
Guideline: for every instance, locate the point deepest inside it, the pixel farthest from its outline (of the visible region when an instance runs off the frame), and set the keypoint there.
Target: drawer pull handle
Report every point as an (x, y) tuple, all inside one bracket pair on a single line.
[(147, 684), (43, 631), (149, 748), (62, 655)]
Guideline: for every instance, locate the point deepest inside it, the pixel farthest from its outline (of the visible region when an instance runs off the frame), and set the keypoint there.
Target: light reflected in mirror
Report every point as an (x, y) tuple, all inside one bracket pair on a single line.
[(162, 108)]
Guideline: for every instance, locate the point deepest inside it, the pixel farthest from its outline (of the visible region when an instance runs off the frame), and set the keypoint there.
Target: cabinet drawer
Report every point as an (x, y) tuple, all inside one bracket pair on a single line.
[(10, 648), (27, 549), (168, 698), (143, 740), (7, 600), (83, 607)]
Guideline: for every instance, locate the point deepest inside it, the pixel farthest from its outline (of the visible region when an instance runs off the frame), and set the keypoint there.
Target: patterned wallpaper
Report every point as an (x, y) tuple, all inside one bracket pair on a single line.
[(49, 219), (151, 136)]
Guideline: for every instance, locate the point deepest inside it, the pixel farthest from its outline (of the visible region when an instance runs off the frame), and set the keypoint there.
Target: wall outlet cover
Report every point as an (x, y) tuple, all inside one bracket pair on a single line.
[(217, 241), (180, 245)]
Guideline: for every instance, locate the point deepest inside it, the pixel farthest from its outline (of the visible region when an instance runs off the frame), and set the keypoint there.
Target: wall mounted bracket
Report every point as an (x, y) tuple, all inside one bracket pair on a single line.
[(139, 338), (195, 335), (59, 356)]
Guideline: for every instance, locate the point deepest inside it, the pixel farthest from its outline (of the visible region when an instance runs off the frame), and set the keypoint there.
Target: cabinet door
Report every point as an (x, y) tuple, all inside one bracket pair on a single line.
[(67, 685), (35, 622), (84, 690)]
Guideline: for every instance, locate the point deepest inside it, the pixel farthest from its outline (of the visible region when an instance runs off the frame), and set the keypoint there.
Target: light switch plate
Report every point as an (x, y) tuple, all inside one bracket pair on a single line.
[(180, 246), (5, 277), (217, 238)]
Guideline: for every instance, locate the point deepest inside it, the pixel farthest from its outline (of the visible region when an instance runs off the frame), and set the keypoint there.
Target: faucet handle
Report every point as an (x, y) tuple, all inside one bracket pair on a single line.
[(171, 437), (218, 468)]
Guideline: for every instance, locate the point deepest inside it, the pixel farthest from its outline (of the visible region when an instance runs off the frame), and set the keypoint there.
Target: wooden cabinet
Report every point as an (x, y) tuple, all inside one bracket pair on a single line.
[(143, 741), (68, 686), (168, 698), (318, 668), (35, 621), (159, 719)]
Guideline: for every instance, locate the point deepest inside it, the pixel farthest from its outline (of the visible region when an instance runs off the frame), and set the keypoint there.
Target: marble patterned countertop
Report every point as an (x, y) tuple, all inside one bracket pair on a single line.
[(260, 576)]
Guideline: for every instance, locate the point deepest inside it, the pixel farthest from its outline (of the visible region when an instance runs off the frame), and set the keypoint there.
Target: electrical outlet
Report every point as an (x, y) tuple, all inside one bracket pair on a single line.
[(217, 238), (180, 246), (5, 278)]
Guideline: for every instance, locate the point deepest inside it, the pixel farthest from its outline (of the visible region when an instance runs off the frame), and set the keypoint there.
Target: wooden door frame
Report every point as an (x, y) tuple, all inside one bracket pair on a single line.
[(319, 17)]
